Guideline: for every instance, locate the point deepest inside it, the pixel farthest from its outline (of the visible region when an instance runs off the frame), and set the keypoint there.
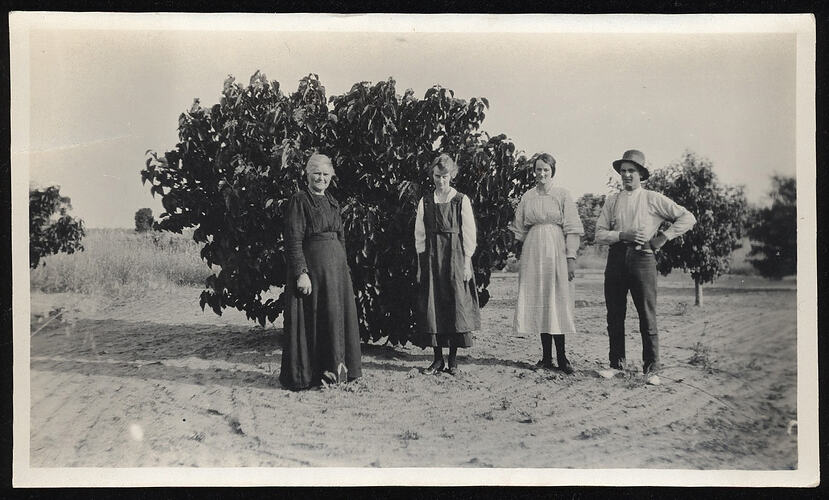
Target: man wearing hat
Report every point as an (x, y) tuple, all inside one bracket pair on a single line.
[(629, 223)]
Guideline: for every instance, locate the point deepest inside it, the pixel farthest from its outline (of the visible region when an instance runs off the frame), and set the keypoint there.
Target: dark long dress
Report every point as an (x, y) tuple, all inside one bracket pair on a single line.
[(448, 307), (322, 333)]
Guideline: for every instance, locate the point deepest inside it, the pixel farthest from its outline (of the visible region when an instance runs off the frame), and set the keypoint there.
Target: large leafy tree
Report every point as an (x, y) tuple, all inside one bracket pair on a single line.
[(238, 162), (721, 211), (774, 231), (51, 228)]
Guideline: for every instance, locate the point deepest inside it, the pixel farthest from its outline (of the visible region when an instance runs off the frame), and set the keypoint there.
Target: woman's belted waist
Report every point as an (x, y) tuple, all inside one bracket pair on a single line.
[(451, 230), (542, 224), (328, 235)]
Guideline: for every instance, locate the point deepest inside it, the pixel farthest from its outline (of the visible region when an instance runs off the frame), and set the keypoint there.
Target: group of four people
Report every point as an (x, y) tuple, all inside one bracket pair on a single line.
[(323, 341)]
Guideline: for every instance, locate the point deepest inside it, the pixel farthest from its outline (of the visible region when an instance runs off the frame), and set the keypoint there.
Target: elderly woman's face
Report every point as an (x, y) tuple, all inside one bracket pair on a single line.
[(543, 172), (319, 177)]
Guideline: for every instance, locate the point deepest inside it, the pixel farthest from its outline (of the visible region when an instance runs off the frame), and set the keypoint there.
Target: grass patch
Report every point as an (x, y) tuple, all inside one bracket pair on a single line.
[(408, 435), (681, 308), (121, 262), (702, 357)]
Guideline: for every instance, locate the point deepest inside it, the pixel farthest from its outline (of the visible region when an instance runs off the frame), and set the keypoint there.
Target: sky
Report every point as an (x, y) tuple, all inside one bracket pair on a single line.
[(99, 98)]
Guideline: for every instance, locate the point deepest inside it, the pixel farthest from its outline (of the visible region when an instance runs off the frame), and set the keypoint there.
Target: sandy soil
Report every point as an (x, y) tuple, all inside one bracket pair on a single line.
[(160, 383)]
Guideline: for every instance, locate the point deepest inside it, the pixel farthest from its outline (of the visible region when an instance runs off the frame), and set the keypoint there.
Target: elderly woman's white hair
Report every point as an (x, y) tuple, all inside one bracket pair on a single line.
[(318, 160)]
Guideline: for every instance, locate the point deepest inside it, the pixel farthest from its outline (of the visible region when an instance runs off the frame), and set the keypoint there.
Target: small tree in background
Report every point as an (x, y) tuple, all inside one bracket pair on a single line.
[(774, 231), (589, 206), (721, 212), (51, 229), (143, 220)]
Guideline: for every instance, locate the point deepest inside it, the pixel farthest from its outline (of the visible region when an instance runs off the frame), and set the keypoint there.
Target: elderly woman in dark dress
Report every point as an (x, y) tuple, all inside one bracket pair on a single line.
[(320, 313)]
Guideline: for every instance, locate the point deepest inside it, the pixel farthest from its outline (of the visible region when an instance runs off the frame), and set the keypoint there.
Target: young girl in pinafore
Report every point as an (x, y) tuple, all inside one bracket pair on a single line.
[(445, 239)]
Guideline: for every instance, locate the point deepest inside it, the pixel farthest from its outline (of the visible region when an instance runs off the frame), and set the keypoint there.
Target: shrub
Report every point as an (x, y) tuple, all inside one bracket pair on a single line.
[(239, 161), (143, 220), (774, 231), (590, 207), (51, 229)]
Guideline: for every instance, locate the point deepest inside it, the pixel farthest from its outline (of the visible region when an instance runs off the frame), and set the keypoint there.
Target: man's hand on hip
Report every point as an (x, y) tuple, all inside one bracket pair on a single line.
[(658, 240), (639, 237)]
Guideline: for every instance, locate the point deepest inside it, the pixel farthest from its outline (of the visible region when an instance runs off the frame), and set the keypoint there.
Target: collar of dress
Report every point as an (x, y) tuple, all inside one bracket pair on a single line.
[(449, 195)]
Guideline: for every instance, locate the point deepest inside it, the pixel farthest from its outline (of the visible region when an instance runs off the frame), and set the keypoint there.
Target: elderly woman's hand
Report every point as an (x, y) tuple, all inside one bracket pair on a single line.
[(303, 284), (467, 270)]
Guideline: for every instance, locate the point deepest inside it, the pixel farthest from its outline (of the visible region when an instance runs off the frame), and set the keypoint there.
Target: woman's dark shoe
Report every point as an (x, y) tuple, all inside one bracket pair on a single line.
[(436, 366), (452, 369), (565, 366), (547, 364)]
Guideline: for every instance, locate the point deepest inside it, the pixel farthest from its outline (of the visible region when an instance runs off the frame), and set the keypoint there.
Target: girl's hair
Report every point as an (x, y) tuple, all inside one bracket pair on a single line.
[(319, 160), (444, 162), (549, 160)]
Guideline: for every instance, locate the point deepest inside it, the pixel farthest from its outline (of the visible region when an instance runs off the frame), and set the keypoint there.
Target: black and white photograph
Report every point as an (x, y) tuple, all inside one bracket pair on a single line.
[(383, 249)]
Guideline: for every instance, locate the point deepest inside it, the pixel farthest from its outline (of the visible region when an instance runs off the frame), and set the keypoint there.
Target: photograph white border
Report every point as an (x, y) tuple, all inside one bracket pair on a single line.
[(802, 25)]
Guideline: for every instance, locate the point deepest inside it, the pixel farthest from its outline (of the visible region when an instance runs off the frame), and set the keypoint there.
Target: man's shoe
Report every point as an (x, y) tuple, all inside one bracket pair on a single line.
[(619, 364)]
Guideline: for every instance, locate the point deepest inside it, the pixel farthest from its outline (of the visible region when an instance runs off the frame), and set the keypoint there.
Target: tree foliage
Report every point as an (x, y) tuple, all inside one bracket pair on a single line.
[(774, 231), (590, 207), (238, 162), (721, 212), (143, 220), (51, 229)]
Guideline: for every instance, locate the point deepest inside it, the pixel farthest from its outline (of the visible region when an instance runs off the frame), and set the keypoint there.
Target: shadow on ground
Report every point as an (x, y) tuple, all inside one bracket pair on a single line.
[(198, 354)]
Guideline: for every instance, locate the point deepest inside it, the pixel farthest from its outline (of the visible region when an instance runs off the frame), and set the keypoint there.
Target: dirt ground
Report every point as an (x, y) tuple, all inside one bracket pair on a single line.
[(158, 382)]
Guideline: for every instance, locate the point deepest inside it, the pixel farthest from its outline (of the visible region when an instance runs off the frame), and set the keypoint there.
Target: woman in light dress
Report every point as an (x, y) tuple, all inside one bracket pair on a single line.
[(548, 224)]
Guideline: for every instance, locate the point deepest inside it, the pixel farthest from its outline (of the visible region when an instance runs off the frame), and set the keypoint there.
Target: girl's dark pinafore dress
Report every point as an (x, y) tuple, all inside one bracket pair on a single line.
[(447, 307)]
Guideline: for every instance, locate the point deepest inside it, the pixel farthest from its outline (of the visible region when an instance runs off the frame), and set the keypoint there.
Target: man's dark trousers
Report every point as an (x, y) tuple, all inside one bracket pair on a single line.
[(634, 270)]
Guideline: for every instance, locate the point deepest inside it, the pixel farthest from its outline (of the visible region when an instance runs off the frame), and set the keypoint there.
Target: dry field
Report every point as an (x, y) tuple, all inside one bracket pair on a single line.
[(154, 381)]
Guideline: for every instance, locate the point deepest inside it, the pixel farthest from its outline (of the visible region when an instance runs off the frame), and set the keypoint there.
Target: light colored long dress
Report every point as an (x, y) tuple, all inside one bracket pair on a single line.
[(550, 227)]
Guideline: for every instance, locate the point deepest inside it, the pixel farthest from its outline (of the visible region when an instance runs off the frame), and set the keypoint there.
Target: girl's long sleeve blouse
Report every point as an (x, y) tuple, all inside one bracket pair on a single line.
[(467, 223)]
